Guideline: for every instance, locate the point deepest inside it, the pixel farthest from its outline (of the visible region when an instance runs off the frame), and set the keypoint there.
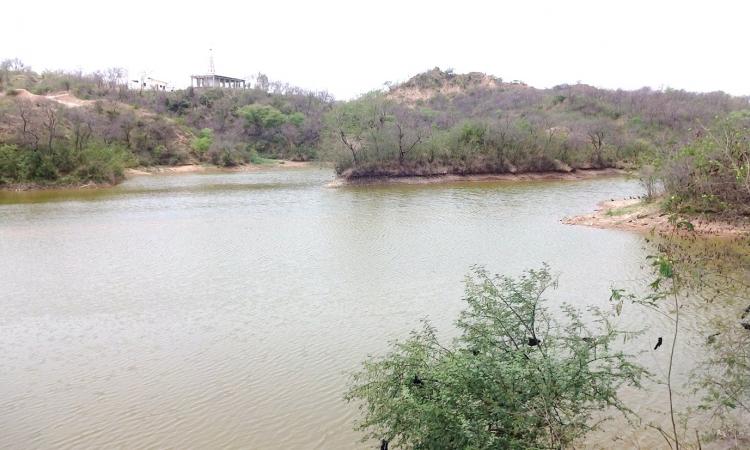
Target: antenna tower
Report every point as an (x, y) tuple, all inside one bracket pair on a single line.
[(211, 69)]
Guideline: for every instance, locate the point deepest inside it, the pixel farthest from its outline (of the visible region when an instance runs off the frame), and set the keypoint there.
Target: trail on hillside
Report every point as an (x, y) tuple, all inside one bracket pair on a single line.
[(64, 98)]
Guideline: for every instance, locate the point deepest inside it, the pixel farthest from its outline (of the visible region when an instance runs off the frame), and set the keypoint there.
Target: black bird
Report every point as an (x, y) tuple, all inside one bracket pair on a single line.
[(383, 445), (533, 341), (658, 343), (416, 381)]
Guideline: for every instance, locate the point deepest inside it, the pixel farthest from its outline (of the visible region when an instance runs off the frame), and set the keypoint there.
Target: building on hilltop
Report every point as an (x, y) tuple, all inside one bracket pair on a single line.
[(211, 80), (149, 83), (218, 81)]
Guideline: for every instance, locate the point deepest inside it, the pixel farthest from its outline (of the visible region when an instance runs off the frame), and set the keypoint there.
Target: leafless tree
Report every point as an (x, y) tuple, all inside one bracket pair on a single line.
[(597, 132), (13, 65), (291, 134), (114, 76), (29, 134), (122, 126), (352, 143), (404, 146), (50, 121), (261, 82), (81, 125), (648, 177)]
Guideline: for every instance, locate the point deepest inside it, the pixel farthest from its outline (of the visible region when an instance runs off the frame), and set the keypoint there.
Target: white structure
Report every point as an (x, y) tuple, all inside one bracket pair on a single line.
[(149, 83), (218, 81), (211, 80)]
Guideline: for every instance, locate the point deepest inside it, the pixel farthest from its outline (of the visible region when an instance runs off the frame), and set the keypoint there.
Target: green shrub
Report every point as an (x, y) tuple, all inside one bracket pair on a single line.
[(11, 164), (230, 154), (712, 173), (102, 164), (263, 116), (515, 378), (45, 169), (203, 142)]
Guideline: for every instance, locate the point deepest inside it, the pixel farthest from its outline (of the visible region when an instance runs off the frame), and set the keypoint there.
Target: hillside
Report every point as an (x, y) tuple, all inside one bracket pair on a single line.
[(60, 139), (439, 122), (49, 120), (102, 116), (436, 123), (428, 84)]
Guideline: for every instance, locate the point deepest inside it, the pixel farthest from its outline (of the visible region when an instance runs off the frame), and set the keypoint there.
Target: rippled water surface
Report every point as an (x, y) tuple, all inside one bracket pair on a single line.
[(223, 310)]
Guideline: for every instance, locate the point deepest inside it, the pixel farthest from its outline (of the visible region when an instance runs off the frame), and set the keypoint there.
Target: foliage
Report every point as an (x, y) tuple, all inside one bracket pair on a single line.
[(102, 163), (227, 153), (263, 116), (435, 123), (725, 376), (719, 271), (17, 165), (480, 124), (648, 177), (284, 121), (686, 273), (203, 141), (712, 174), (514, 378), (96, 162)]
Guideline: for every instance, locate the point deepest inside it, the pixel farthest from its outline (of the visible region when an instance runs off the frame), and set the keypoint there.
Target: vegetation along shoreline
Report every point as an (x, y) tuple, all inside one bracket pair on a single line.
[(446, 178)]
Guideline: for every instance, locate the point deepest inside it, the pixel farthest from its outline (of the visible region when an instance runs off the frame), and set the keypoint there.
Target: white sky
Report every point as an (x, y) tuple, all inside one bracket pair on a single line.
[(351, 47)]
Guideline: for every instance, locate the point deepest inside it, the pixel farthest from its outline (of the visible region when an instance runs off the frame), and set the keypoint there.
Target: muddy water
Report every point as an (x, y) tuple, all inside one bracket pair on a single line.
[(223, 310)]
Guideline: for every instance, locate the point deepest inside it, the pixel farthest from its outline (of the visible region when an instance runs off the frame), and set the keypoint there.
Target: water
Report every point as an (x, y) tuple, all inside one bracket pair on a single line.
[(224, 310)]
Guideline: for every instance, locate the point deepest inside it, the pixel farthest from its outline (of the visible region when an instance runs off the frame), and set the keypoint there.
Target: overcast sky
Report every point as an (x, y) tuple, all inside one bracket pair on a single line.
[(351, 47)]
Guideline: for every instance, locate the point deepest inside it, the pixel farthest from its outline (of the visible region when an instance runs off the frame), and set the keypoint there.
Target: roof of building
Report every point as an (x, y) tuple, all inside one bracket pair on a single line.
[(223, 77)]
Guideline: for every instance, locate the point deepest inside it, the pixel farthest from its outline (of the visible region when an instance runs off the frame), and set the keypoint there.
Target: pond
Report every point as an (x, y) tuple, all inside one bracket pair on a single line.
[(224, 310)]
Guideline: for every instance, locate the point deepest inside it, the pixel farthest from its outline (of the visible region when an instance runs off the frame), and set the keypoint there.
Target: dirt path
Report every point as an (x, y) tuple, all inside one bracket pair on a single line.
[(64, 98)]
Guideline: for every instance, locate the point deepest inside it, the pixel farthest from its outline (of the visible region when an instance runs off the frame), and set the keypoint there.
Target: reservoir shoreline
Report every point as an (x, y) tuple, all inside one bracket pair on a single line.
[(157, 170), (637, 215), (580, 174)]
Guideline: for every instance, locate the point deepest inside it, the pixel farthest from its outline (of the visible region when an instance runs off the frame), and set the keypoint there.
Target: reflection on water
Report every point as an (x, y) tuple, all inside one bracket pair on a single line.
[(223, 310)]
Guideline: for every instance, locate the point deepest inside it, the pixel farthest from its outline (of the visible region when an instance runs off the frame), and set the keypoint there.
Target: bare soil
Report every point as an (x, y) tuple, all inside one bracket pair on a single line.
[(64, 98), (199, 168), (645, 217)]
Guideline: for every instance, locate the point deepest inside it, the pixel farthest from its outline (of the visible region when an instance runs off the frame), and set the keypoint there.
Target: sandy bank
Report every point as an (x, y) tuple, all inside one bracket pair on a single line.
[(209, 168), (638, 215), (153, 170), (580, 174), (23, 187)]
